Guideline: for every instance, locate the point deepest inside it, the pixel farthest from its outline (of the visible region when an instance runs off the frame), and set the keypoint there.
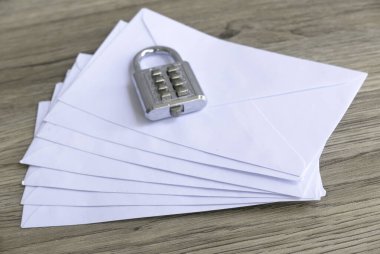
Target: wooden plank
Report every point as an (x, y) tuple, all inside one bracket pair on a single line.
[(39, 41)]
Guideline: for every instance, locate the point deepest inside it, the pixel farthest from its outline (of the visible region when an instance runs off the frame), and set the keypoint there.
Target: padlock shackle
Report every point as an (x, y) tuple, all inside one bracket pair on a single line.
[(154, 50)]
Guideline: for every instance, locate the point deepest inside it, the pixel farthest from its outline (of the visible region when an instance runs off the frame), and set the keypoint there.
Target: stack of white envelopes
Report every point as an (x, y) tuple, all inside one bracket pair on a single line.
[(95, 157)]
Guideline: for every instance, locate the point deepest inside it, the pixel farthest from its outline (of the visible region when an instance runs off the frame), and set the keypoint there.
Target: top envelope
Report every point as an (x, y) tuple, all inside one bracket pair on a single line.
[(264, 108)]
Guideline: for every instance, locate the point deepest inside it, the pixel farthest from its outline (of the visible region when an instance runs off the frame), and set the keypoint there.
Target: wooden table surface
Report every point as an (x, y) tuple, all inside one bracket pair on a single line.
[(39, 41)]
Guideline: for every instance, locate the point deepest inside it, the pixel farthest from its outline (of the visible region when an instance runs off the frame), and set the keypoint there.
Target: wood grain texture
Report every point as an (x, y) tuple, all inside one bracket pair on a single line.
[(39, 41)]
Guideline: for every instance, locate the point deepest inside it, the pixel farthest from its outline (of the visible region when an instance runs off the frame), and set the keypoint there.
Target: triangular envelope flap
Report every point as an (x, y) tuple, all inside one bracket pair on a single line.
[(230, 72), (82, 60), (43, 107), (33, 176), (247, 133), (307, 119), (80, 63), (48, 216), (56, 92), (27, 213)]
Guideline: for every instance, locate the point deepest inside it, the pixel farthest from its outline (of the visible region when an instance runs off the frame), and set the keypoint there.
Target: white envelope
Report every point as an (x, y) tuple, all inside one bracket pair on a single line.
[(82, 122), (50, 149), (35, 216), (73, 160), (79, 121), (43, 177), (63, 197), (48, 196), (264, 108), (50, 216), (85, 120), (42, 153), (153, 194)]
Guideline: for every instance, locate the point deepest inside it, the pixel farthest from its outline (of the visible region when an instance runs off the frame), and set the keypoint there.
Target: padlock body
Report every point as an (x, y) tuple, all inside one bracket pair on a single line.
[(169, 90)]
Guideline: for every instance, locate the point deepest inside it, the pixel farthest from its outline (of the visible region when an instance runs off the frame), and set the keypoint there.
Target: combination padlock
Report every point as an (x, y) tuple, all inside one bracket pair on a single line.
[(169, 90)]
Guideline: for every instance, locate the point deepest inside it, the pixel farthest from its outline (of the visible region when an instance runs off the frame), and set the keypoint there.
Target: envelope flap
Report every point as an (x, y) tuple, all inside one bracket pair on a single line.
[(82, 60), (230, 72)]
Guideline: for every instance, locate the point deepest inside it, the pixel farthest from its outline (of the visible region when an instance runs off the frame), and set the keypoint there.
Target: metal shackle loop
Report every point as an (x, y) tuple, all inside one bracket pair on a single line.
[(154, 50)]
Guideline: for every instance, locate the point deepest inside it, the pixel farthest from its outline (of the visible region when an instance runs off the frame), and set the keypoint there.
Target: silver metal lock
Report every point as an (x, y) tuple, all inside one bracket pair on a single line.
[(169, 90)]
